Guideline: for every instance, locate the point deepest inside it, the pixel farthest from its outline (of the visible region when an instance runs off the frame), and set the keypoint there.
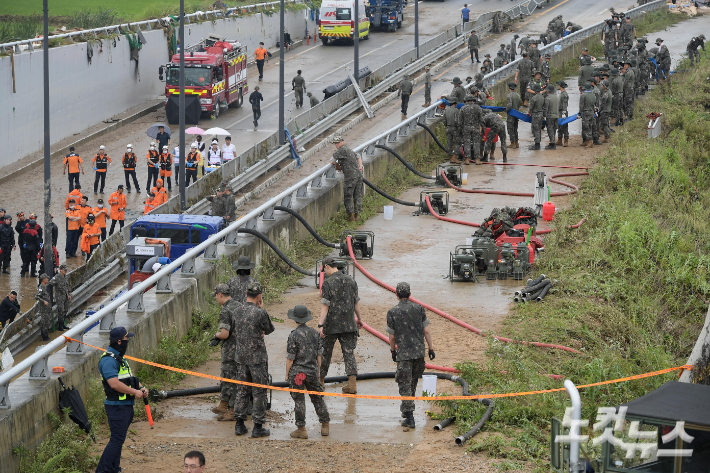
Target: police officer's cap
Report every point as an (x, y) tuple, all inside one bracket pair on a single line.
[(512, 85), (254, 289), (329, 261), (456, 80), (300, 314), (100, 201), (117, 333), (243, 262), (62, 267), (562, 84), (337, 139), (403, 288), (222, 288)]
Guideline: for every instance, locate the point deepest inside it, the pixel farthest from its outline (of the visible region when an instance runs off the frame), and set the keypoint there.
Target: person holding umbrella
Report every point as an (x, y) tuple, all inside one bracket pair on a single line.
[(163, 137), (121, 388)]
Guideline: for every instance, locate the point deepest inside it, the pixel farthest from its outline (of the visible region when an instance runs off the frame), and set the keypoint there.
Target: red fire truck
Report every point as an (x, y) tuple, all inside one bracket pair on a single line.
[(215, 77)]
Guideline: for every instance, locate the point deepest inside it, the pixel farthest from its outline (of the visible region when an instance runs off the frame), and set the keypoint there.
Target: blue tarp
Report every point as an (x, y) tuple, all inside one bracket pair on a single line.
[(520, 115), (294, 154)]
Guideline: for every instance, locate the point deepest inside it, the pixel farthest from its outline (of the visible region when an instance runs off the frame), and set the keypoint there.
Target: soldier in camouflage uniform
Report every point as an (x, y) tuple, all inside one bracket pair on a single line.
[(427, 86), (587, 102), (644, 70), (62, 296), (351, 164), (563, 131), (408, 326), (458, 91), (512, 102), (496, 127), (545, 68), (405, 91), (252, 361), (217, 207), (536, 110), (471, 129), (45, 306), (534, 55), (499, 60), (596, 90), (663, 59), (585, 72), (692, 48), (605, 111), (230, 205), (228, 367), (513, 48), (298, 84), (314, 101), (523, 76), (617, 94), (339, 320), (552, 113), (537, 80), (451, 122), (303, 355), (629, 93), (628, 32), (238, 284)]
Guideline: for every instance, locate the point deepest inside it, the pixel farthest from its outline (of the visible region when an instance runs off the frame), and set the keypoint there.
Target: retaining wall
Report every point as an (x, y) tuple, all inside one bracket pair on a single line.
[(83, 94)]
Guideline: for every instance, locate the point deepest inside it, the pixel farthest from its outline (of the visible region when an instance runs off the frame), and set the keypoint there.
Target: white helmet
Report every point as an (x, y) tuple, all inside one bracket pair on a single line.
[(152, 143), (194, 145), (102, 147), (130, 146)]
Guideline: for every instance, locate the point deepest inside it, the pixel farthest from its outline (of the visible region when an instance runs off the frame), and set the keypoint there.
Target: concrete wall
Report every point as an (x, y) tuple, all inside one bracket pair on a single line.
[(83, 94)]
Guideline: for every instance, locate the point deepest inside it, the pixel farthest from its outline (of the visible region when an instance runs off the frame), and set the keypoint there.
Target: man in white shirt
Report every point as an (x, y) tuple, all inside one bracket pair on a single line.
[(176, 162), (214, 156), (229, 152)]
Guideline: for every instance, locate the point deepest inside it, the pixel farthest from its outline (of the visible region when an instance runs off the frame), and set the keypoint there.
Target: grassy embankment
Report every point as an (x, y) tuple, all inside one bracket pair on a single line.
[(633, 289)]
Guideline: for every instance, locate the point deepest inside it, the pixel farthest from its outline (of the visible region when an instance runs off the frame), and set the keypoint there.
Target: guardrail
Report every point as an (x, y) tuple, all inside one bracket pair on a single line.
[(116, 29), (186, 263)]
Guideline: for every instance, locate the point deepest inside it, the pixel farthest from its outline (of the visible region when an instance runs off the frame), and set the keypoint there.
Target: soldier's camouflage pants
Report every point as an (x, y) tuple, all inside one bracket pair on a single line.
[(348, 343), (604, 124), (427, 94), (311, 383), (551, 126), (352, 195), (524, 89), (587, 124), (258, 374), (45, 320), (492, 133), (407, 376), (617, 108), (453, 142), (62, 310), (512, 124), (298, 92), (595, 128), (563, 132), (536, 125), (629, 99), (228, 391), (693, 54), (471, 137)]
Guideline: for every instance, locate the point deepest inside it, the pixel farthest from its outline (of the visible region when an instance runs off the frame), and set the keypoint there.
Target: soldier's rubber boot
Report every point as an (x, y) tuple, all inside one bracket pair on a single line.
[(551, 146), (300, 433), (227, 416), (259, 431), (240, 428), (322, 382), (559, 140), (535, 147), (505, 157), (597, 142), (408, 422), (351, 388), (566, 142), (221, 408), (484, 159), (325, 429)]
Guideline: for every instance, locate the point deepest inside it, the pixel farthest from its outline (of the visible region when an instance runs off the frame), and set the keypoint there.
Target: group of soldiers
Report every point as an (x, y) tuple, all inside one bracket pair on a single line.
[(244, 323), (223, 203), (62, 297)]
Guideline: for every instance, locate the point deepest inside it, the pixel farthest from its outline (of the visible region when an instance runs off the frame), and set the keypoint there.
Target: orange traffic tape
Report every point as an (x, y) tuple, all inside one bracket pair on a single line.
[(393, 398)]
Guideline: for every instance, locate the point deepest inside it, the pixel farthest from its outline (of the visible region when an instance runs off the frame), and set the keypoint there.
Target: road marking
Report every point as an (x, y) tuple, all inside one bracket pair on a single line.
[(303, 52), (364, 55), (550, 9)]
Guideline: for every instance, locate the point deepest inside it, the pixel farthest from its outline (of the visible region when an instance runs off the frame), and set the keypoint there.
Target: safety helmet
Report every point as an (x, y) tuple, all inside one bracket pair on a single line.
[(129, 146), (336, 139), (102, 147)]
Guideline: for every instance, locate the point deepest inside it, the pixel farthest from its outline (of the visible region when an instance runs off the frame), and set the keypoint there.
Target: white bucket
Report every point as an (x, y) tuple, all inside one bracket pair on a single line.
[(469, 241), (429, 384), (464, 178), (389, 212)]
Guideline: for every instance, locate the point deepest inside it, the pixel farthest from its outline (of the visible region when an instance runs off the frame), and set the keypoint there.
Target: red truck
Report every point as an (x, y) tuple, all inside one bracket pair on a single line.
[(215, 77)]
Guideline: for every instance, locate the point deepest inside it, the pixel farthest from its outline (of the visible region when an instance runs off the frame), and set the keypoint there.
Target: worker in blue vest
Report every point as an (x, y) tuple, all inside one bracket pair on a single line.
[(121, 389)]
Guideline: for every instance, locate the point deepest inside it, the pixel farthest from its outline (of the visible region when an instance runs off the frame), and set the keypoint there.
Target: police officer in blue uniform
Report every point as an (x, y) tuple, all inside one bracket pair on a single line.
[(121, 388)]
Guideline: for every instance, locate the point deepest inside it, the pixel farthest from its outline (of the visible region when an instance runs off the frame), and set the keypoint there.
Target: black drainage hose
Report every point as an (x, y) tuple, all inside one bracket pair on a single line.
[(544, 292), (308, 227), (258, 234), (402, 160), (444, 423), (487, 402), (387, 196), (431, 132)]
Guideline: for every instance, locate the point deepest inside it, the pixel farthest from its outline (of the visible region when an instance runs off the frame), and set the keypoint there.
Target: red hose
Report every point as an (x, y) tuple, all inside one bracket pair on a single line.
[(536, 165), (522, 194), (447, 316)]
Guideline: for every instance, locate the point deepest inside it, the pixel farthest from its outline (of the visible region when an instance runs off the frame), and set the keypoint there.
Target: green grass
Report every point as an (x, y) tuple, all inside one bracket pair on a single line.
[(633, 289), (19, 28)]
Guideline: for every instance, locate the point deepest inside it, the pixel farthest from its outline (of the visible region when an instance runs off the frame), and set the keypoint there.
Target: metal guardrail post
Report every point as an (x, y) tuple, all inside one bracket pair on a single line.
[(164, 285), (392, 137), (5, 396), (188, 267), (302, 192), (210, 253), (108, 322), (330, 173), (135, 303), (403, 130), (268, 214), (317, 182), (76, 348), (39, 371), (231, 238), (287, 202)]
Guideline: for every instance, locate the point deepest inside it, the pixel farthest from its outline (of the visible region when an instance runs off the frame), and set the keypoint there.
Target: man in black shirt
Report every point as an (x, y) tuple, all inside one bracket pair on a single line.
[(9, 308), (163, 138), (255, 100)]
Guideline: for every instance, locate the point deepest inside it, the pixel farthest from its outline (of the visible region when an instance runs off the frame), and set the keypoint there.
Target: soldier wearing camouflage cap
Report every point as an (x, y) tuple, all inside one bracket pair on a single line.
[(252, 361), (217, 201), (470, 115), (536, 110), (458, 91), (512, 102), (545, 68), (238, 284), (629, 89), (227, 334), (552, 113), (339, 320), (605, 103), (587, 104), (692, 48), (451, 123), (312, 99), (427, 86), (350, 164), (62, 296), (563, 131), (44, 306), (408, 327)]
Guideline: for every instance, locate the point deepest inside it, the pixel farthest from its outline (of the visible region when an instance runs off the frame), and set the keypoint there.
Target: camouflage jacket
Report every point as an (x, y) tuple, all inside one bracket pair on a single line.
[(473, 42), (451, 116), (227, 321), (525, 69), (564, 102), (347, 160), (405, 87), (217, 209), (493, 121), (470, 116), (552, 106), (587, 101), (238, 286), (61, 287), (513, 102), (406, 321), (253, 322), (627, 32), (545, 69), (585, 74), (230, 207), (303, 347), (605, 101), (498, 62), (298, 82), (629, 79), (534, 56), (42, 296), (459, 92), (314, 100), (617, 85), (427, 79), (339, 293), (536, 105)]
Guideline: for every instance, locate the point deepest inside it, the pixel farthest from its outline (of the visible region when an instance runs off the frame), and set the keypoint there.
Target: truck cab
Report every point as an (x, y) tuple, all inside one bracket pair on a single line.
[(184, 231), (385, 14), (337, 22)]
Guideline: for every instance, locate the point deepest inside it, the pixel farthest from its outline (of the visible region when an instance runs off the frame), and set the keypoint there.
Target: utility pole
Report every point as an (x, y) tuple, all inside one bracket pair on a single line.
[(48, 243), (181, 113), (416, 26), (356, 42), (282, 88)]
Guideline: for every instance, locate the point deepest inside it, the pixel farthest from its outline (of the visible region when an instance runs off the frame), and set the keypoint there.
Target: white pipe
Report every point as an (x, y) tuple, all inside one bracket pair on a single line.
[(574, 430)]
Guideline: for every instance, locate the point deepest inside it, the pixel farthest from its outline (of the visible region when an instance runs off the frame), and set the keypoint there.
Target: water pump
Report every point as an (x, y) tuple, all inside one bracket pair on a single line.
[(344, 265), (439, 202), (363, 243), (453, 172)]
